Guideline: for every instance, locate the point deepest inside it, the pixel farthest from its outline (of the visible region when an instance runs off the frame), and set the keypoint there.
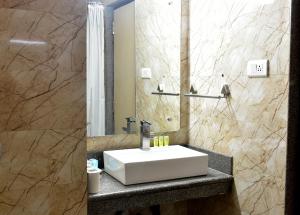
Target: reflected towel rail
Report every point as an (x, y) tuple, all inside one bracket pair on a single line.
[(204, 96), (225, 91), (165, 94)]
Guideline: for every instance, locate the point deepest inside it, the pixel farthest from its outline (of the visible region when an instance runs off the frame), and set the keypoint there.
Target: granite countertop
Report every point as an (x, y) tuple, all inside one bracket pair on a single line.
[(114, 196), (111, 188)]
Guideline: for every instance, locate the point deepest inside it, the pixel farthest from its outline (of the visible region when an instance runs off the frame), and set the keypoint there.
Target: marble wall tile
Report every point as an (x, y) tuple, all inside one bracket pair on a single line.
[(236, 31), (42, 107), (76, 7), (45, 198), (39, 82), (182, 135), (251, 125), (43, 173), (120, 141), (44, 158)]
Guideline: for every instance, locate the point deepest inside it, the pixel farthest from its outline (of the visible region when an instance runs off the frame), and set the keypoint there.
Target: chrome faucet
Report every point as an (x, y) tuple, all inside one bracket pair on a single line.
[(145, 135)]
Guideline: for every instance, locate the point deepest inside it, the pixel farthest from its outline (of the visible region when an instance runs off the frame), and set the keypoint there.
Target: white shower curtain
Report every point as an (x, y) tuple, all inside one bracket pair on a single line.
[(95, 71)]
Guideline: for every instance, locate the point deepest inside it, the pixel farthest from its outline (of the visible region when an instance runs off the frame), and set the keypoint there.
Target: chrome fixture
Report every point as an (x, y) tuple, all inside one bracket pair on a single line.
[(131, 127), (165, 94), (160, 91), (193, 91), (225, 91), (95, 1), (98, 2), (160, 88), (145, 135)]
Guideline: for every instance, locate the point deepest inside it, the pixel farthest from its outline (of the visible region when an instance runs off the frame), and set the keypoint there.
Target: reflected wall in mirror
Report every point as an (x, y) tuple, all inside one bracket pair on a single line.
[(132, 47), (158, 27)]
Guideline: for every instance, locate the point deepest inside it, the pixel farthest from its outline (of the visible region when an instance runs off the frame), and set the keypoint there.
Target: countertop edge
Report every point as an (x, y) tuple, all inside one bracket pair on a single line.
[(223, 178)]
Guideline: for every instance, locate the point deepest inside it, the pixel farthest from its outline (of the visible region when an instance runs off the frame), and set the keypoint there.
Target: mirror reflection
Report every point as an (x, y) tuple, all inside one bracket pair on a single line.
[(133, 52)]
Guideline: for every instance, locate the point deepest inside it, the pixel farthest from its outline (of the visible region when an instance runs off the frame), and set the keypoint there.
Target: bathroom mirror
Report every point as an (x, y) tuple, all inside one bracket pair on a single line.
[(133, 53)]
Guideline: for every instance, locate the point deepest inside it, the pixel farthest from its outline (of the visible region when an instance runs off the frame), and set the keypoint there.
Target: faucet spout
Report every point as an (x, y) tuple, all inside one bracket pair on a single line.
[(145, 135)]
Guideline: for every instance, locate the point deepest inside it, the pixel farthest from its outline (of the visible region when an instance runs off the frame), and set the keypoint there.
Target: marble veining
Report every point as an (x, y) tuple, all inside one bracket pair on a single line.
[(40, 170), (41, 84), (157, 32), (74, 7), (251, 125), (42, 107)]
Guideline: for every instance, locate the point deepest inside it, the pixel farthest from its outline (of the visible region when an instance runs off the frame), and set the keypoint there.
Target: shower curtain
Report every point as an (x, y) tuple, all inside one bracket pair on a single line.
[(95, 71)]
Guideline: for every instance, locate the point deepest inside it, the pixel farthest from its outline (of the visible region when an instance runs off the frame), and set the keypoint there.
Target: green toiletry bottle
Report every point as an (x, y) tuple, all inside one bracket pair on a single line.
[(166, 140), (161, 141), (155, 141)]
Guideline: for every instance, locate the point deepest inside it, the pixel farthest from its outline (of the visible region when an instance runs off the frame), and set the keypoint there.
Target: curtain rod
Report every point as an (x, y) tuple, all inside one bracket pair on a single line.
[(95, 2)]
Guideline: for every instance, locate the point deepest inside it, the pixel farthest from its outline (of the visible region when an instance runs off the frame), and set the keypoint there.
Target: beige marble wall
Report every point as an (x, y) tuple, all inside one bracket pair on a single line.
[(252, 124), (42, 107), (157, 33)]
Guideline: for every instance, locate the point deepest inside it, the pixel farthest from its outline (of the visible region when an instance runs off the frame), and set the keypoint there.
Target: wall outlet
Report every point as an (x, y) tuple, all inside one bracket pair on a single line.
[(257, 68), (146, 73)]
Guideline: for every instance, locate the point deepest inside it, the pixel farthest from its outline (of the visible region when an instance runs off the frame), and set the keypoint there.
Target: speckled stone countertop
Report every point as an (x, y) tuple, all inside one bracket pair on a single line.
[(116, 196)]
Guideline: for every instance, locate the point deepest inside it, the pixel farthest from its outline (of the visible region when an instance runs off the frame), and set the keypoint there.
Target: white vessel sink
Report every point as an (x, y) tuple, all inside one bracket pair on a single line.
[(134, 166)]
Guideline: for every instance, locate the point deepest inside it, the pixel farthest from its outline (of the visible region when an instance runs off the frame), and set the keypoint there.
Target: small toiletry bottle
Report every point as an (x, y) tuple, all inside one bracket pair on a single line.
[(94, 163), (155, 141), (88, 164), (166, 140), (161, 141)]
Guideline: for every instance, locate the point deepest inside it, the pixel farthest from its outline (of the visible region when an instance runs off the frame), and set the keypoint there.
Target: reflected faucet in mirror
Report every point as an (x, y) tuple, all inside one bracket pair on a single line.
[(145, 135), (131, 126)]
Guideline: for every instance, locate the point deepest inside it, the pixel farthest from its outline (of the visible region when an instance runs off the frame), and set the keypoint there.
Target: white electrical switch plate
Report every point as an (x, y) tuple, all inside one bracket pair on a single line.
[(146, 73), (257, 68)]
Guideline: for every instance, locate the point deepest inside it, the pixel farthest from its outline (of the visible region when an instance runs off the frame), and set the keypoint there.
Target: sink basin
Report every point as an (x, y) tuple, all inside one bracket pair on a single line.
[(134, 166)]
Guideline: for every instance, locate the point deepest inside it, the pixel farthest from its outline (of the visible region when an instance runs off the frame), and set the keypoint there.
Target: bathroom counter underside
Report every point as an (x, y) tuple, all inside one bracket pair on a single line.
[(115, 196)]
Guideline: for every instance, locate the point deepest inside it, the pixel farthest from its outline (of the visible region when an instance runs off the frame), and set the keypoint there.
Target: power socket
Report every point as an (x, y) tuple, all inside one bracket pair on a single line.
[(257, 68)]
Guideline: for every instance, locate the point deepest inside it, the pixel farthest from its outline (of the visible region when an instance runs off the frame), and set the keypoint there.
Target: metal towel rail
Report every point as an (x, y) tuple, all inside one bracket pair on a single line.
[(225, 91)]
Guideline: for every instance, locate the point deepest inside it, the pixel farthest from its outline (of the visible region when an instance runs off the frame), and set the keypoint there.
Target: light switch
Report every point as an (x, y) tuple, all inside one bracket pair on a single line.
[(146, 73), (257, 68)]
